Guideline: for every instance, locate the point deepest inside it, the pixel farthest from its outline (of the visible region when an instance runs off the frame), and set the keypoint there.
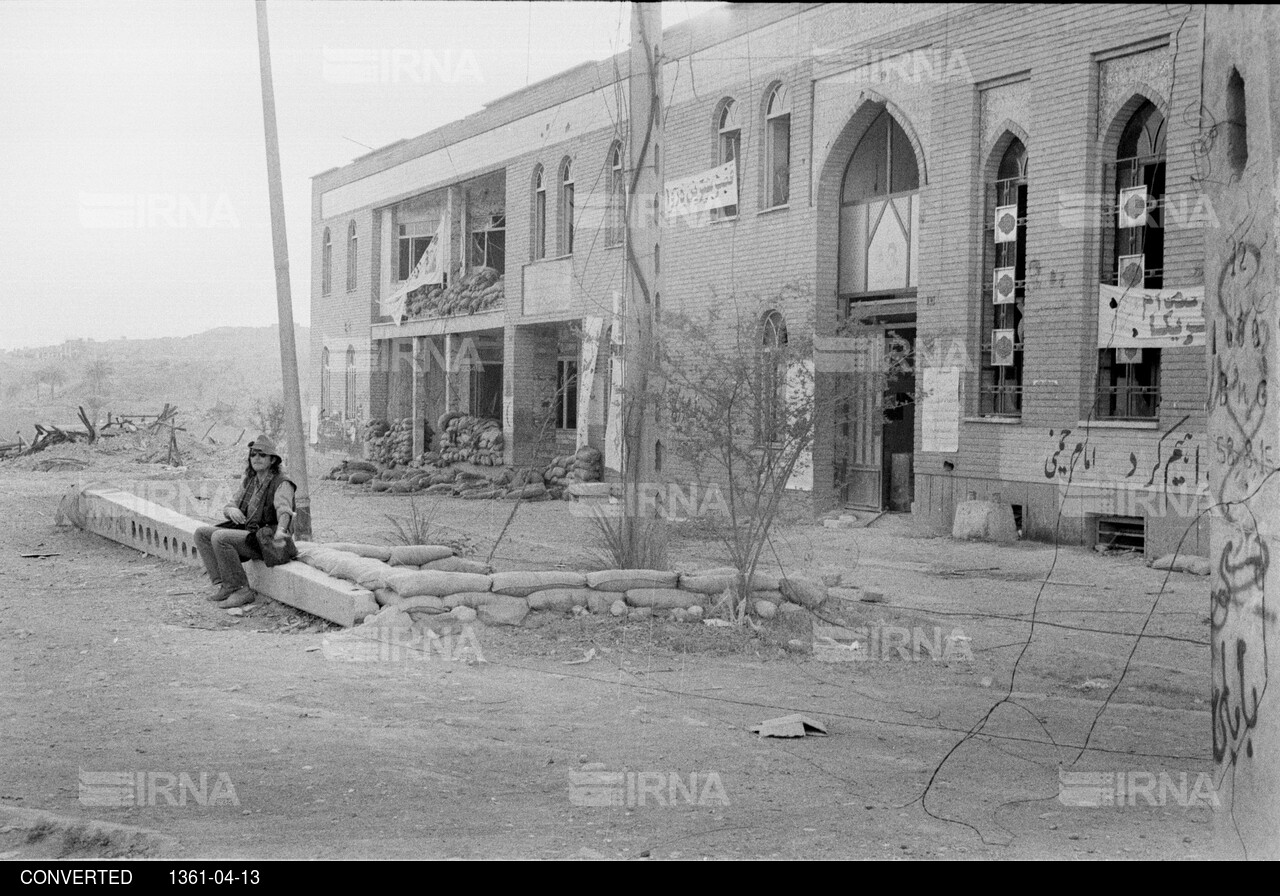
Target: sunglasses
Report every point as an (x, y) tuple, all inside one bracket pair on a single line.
[(258, 454)]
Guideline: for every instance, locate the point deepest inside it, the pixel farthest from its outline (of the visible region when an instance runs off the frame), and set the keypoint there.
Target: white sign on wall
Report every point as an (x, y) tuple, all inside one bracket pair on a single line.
[(703, 192), (1133, 318), (940, 426)]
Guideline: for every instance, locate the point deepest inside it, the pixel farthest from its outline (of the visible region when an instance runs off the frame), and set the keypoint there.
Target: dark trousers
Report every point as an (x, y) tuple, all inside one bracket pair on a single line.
[(223, 551)]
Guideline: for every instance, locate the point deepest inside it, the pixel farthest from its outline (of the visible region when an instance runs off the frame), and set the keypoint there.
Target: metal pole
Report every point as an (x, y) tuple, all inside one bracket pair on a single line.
[(284, 301)]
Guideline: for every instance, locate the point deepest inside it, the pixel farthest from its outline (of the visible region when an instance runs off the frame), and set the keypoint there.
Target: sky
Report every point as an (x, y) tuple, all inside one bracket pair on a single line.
[(133, 192)]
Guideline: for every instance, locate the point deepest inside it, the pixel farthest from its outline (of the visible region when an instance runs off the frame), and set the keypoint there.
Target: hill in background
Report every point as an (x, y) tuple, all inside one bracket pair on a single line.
[(225, 375)]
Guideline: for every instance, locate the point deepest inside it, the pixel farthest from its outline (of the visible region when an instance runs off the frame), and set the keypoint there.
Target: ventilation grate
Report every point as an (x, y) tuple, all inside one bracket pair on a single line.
[(1122, 533)]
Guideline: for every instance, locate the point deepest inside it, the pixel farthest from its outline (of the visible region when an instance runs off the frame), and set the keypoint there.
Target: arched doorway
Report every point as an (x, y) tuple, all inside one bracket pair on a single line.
[(877, 276)]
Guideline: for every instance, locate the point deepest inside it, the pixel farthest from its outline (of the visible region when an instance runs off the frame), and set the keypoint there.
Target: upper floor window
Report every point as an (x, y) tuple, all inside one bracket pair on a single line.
[(414, 238), (352, 245), (566, 208), (326, 263), (729, 147), (1006, 272), (615, 228), (880, 214), (1129, 378), (489, 244), (539, 213), (777, 147)]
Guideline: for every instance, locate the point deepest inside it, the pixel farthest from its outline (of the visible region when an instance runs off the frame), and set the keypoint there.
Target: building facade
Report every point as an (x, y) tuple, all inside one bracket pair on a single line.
[(1003, 198)]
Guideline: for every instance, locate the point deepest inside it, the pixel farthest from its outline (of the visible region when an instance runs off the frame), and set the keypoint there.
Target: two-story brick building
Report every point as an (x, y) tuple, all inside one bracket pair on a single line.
[(1005, 194)]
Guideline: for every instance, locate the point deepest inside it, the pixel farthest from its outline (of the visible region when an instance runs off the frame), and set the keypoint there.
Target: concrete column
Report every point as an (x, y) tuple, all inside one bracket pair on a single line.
[(1240, 133), (419, 392)]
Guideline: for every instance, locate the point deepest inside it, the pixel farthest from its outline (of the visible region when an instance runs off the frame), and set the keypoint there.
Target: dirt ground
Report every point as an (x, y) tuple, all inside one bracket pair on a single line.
[(113, 662)]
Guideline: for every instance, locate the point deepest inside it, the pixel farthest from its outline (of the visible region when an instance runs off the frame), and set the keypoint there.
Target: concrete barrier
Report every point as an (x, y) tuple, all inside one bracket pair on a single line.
[(148, 527)]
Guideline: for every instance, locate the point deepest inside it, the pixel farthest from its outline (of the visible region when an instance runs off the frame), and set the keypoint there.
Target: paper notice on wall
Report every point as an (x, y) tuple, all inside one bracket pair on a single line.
[(591, 329), (702, 192), (940, 425), (1137, 318)]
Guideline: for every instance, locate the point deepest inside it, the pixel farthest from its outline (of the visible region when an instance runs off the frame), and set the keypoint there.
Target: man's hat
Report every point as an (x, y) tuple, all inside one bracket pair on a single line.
[(264, 444)]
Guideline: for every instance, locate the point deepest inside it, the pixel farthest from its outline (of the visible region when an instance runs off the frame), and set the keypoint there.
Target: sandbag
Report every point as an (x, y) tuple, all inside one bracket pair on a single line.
[(376, 551), (457, 564), (561, 599), (418, 554), (522, 584), (436, 582), (360, 477), (470, 599), (626, 579)]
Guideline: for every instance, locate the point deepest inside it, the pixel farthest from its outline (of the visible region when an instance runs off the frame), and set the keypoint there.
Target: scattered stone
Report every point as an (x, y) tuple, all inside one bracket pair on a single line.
[(600, 603), (503, 610), (694, 613), (639, 612), (766, 609), (619, 608)]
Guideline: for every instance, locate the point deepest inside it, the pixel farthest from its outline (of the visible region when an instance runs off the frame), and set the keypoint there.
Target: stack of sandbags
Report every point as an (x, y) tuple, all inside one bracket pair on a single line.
[(477, 440), (357, 472), (481, 290), (394, 447)]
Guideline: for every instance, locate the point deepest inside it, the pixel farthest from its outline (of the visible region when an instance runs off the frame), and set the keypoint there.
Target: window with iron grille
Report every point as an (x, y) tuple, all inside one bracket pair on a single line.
[(616, 228), (1129, 378), (1005, 296), (351, 383)]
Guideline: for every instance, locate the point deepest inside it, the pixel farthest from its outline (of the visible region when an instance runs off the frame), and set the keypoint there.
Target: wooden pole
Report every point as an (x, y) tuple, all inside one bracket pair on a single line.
[(284, 301)]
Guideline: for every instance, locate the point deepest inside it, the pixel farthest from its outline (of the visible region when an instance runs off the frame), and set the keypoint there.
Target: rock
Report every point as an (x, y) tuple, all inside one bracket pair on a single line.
[(804, 592), (694, 613), (503, 610), (679, 615), (558, 599), (664, 598), (765, 609), (984, 521), (522, 584), (600, 603), (626, 579), (619, 608), (463, 614)]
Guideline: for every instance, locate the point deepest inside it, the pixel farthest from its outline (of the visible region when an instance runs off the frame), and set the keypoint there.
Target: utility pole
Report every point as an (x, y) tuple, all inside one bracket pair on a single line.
[(284, 300), (643, 240)]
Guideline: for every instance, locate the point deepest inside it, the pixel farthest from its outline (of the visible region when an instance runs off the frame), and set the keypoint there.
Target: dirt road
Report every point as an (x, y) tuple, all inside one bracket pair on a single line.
[(113, 666)]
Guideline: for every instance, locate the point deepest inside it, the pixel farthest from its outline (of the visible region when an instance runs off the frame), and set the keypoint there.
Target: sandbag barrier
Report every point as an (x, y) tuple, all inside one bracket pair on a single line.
[(431, 580)]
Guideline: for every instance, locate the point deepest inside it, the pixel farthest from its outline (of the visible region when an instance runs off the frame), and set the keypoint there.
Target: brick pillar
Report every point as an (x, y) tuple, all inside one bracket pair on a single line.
[(1240, 126)]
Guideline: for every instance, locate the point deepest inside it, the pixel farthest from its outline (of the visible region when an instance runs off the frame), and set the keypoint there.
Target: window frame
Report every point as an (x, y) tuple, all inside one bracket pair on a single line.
[(566, 403), (352, 254), (411, 247), (539, 242), (1000, 387), (615, 224), (350, 407), (326, 263), (566, 208), (773, 119), (729, 135), (487, 241), (326, 390), (772, 396)]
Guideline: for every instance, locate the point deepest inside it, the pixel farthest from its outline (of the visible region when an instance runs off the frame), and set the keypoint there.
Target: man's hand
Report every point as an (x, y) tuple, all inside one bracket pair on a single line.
[(236, 515), (279, 540)]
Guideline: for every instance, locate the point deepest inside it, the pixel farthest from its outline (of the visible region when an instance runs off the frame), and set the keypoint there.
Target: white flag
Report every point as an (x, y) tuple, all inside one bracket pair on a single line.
[(425, 272)]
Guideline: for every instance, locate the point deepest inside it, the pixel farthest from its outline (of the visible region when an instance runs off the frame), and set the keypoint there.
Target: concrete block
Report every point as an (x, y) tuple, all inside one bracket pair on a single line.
[(984, 521)]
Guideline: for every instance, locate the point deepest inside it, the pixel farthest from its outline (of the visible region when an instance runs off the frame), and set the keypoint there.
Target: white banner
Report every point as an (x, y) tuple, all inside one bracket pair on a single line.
[(428, 270), (940, 427), (700, 193), (1137, 318)]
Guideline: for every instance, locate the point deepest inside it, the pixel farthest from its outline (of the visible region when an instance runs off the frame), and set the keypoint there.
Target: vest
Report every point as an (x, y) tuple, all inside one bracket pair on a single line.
[(267, 515)]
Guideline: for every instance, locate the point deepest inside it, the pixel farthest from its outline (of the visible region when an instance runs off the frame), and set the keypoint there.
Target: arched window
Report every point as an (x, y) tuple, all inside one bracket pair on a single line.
[(326, 264), (615, 228), (777, 147), (773, 379), (326, 401), (566, 207), (539, 213), (1129, 378), (879, 215), (351, 383), (729, 148), (1006, 264), (352, 246)]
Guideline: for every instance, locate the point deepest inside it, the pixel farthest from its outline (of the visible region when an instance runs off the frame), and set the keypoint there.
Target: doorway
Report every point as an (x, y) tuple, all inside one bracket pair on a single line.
[(875, 426)]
